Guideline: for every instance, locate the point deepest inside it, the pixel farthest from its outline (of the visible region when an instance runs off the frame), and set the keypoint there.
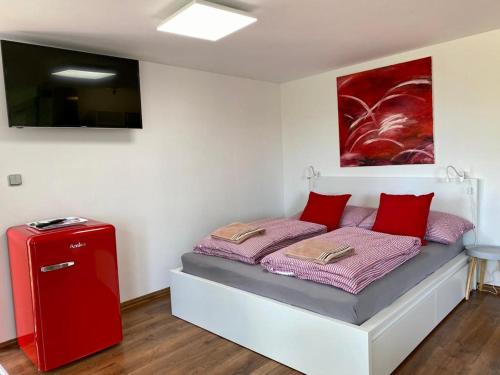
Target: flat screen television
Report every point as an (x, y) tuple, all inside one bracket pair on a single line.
[(57, 88)]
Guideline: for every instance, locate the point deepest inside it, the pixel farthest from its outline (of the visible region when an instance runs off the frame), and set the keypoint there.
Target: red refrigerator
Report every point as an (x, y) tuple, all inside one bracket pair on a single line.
[(65, 289)]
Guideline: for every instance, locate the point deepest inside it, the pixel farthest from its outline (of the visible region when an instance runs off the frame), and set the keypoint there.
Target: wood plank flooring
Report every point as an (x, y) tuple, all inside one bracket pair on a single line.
[(155, 342)]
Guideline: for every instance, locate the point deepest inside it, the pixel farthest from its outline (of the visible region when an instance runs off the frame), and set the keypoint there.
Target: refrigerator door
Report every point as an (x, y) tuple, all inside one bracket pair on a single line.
[(77, 307)]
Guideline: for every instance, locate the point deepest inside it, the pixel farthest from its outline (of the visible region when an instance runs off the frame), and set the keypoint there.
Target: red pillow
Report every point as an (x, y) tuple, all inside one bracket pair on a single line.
[(404, 215), (325, 209)]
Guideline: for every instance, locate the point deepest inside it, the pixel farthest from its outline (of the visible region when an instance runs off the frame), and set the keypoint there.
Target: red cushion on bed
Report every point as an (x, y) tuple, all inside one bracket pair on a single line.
[(325, 209), (404, 215)]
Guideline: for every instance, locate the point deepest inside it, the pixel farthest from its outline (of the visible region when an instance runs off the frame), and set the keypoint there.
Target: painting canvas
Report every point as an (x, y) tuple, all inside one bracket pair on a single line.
[(385, 115)]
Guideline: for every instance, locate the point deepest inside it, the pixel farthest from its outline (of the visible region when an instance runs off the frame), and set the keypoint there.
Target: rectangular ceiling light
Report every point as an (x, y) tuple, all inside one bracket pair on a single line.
[(204, 20), (83, 74)]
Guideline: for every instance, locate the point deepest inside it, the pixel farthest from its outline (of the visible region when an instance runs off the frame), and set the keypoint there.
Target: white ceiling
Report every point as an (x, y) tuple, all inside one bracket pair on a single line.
[(292, 39)]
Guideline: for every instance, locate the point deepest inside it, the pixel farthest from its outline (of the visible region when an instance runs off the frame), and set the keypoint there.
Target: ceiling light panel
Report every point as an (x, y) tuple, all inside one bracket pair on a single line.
[(205, 20), (82, 74)]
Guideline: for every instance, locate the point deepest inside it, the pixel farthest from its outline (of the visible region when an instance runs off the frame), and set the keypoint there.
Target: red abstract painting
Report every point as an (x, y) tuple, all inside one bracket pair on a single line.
[(385, 115)]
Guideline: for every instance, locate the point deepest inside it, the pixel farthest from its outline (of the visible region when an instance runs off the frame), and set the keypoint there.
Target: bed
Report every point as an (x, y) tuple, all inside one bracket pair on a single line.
[(319, 298), (370, 333)]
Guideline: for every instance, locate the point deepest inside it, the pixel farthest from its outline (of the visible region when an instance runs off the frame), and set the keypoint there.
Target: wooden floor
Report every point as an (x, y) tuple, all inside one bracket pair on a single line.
[(155, 342)]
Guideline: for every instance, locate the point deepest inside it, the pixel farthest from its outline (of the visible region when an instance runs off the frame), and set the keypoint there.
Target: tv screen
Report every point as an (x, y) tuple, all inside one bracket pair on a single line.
[(51, 87)]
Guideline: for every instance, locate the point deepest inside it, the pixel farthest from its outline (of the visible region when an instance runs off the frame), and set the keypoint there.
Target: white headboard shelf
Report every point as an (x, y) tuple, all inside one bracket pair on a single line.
[(455, 197)]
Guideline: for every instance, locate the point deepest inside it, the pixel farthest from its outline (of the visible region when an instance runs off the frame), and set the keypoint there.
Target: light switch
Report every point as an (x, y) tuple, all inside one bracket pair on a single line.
[(15, 180)]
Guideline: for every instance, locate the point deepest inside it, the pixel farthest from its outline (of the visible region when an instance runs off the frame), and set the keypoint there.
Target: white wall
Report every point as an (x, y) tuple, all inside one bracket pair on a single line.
[(466, 88), (210, 152)]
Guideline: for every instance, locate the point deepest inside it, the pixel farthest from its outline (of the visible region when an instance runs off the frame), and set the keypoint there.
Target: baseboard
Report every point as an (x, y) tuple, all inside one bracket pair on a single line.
[(145, 299), (136, 302), (7, 344)]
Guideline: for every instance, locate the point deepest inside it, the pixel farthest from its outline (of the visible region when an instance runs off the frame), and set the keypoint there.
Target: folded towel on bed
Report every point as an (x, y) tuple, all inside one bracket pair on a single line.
[(319, 251), (376, 255), (278, 234), (237, 232)]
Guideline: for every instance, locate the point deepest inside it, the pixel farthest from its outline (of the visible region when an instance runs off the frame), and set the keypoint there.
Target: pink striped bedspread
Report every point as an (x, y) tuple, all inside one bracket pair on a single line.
[(279, 234), (375, 254)]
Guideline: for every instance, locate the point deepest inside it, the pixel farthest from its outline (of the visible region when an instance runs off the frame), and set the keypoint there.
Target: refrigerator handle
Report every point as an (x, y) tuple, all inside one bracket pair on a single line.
[(55, 267)]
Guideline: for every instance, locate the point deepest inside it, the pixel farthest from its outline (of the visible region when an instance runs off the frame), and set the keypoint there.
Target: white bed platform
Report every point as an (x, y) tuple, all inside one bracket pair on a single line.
[(319, 345)]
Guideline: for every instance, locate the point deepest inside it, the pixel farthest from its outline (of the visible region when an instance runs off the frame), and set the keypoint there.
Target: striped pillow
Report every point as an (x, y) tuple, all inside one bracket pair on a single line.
[(446, 228), (368, 222), (441, 227), (352, 216)]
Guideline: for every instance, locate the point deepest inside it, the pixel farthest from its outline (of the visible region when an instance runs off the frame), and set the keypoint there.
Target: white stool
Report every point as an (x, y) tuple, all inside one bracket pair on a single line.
[(481, 253)]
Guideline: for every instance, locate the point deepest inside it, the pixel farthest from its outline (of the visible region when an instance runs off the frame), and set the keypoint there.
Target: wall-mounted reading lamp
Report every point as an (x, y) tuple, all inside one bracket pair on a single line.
[(452, 173), (311, 175)]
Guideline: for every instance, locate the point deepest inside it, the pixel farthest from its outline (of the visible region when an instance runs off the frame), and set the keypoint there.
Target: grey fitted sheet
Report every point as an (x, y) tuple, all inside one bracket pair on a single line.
[(324, 299)]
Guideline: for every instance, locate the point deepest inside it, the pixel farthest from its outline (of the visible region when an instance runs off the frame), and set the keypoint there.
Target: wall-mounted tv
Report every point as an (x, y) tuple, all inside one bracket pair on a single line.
[(58, 88)]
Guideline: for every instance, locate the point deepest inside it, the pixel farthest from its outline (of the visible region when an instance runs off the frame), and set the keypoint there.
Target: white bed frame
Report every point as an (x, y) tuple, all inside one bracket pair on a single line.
[(316, 344)]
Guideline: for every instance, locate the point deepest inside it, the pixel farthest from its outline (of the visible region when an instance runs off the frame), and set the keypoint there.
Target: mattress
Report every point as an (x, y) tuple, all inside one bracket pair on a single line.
[(324, 299)]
